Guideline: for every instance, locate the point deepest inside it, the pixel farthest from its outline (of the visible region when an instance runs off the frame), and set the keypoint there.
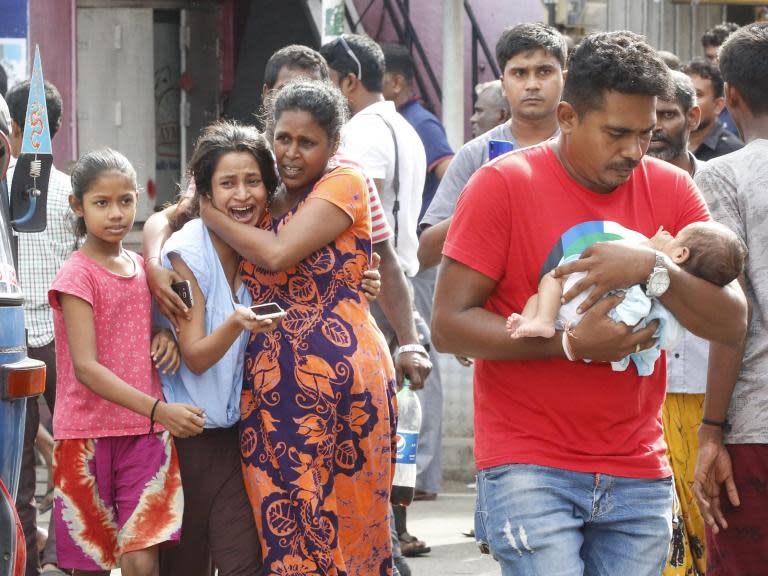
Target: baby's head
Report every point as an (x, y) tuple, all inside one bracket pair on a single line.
[(707, 250)]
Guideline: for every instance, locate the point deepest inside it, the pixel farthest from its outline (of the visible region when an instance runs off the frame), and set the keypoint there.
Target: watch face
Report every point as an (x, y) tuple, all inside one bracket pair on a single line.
[(658, 283)]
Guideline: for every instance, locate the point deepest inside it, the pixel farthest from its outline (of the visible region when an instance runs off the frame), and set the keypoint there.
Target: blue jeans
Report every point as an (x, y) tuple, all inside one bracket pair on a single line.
[(537, 520)]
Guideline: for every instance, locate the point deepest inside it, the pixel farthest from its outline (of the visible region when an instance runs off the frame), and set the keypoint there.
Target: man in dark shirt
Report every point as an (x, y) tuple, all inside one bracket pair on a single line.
[(711, 139), (399, 87)]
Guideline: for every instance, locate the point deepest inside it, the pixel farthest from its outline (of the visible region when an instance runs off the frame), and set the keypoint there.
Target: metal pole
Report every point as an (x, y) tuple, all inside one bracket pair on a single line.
[(676, 29), (551, 11), (407, 17), (626, 14), (475, 64), (661, 25), (693, 30), (453, 72)]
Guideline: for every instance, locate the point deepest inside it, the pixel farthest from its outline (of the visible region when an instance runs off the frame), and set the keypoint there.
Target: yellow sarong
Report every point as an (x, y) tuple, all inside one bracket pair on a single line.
[(681, 416)]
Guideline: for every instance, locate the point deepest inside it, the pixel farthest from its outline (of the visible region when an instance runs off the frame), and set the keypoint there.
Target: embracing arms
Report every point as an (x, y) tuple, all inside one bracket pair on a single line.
[(313, 226)]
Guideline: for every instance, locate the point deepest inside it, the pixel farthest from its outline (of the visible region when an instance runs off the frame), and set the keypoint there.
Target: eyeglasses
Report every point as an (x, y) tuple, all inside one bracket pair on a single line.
[(351, 54)]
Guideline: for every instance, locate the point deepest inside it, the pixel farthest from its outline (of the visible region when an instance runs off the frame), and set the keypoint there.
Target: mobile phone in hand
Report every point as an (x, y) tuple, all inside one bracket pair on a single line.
[(267, 311), (184, 290)]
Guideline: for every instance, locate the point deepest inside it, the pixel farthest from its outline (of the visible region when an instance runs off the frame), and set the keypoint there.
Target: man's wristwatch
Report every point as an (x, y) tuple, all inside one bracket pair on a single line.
[(417, 348), (658, 280)]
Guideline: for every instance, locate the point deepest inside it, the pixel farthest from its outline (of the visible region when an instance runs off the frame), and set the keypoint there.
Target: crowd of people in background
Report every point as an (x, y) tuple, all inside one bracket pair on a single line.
[(196, 436)]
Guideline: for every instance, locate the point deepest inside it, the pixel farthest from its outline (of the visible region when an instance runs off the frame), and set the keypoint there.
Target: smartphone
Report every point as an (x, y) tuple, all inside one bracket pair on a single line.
[(266, 311), (498, 147), (184, 290)]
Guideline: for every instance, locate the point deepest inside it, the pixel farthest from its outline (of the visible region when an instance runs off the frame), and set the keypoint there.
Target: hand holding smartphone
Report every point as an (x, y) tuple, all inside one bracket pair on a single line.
[(184, 290), (267, 311)]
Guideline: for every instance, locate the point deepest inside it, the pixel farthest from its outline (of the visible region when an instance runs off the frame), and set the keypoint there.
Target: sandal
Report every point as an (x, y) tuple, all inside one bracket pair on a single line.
[(411, 546)]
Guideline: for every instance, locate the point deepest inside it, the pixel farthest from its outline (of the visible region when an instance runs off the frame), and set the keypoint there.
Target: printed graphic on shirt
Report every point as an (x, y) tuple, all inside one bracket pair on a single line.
[(581, 236)]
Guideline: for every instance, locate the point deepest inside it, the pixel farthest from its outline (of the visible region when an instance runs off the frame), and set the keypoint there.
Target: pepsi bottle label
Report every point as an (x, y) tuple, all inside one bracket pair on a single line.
[(407, 442)]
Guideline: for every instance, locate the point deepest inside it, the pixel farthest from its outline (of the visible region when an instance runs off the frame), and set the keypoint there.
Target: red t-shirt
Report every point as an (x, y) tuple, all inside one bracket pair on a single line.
[(516, 216)]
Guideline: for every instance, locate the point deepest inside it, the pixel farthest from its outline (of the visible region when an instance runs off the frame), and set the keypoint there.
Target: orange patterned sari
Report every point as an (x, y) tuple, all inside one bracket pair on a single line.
[(318, 415)]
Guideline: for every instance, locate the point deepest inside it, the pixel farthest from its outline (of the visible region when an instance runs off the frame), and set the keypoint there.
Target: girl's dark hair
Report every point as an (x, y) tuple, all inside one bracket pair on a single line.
[(217, 140), (90, 167), (321, 99)]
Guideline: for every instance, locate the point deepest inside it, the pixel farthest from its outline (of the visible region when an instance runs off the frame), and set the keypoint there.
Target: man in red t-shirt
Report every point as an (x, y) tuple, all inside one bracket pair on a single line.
[(573, 476)]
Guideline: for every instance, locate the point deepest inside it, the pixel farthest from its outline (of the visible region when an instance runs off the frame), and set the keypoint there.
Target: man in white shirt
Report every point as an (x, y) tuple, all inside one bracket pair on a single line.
[(380, 139)]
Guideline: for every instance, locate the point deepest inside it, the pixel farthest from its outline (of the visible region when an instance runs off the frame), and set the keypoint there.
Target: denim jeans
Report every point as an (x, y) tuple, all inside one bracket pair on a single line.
[(537, 520)]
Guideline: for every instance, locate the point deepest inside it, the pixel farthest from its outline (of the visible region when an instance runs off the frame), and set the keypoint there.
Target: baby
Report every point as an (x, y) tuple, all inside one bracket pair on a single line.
[(705, 249)]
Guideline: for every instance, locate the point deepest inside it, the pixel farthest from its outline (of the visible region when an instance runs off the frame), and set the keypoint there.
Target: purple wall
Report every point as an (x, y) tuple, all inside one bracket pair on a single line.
[(56, 43), (427, 18)]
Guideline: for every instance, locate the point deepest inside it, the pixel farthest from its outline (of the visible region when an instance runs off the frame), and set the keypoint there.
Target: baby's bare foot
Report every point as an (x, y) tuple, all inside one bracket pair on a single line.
[(533, 328), (513, 322)]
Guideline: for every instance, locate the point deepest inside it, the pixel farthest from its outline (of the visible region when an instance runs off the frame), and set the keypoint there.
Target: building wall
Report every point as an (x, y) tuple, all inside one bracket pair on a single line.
[(427, 17), (51, 26), (667, 26)]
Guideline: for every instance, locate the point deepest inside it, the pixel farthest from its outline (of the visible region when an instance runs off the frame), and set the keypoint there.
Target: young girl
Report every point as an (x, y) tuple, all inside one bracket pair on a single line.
[(117, 486), (233, 167)]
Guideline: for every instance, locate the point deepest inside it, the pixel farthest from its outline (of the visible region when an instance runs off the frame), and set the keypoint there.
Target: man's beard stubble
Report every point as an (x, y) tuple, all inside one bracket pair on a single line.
[(674, 147)]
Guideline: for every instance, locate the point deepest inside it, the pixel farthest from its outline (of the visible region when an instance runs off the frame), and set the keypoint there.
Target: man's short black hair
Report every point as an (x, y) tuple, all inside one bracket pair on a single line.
[(17, 103), (528, 37), (613, 62), (744, 64), (705, 69), (368, 54), (683, 91), (718, 34), (294, 56), (398, 60)]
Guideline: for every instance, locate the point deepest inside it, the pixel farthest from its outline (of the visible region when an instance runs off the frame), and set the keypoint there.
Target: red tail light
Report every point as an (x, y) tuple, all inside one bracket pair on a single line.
[(22, 379)]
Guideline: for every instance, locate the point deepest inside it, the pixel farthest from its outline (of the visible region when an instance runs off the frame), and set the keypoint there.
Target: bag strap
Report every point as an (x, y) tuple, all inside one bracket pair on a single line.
[(396, 183)]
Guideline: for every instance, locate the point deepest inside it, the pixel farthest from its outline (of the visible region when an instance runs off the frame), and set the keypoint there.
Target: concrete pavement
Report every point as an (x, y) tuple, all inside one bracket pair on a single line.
[(440, 523)]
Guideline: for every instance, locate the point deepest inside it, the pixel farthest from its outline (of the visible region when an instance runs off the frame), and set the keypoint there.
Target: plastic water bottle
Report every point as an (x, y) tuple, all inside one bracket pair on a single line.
[(408, 426)]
